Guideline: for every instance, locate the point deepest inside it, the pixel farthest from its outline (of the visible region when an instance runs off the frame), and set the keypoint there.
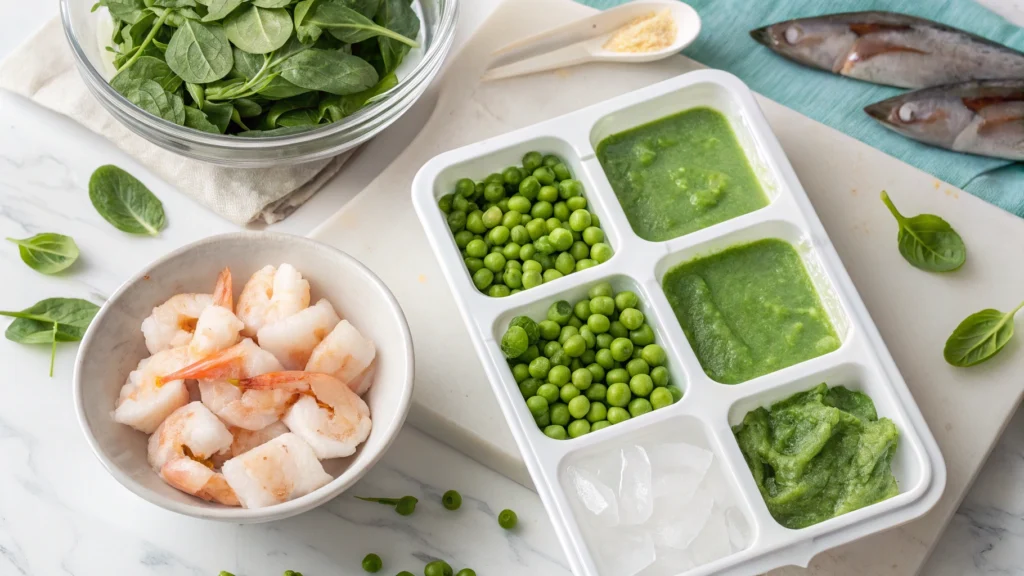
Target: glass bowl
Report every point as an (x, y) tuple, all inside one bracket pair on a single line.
[(88, 34)]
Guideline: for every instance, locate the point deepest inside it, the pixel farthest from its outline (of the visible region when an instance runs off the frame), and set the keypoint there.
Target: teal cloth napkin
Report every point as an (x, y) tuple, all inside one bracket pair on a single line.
[(724, 43)]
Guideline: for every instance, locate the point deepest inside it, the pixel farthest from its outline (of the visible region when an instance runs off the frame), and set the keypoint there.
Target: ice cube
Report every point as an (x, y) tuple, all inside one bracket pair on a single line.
[(713, 541), (636, 498), (677, 522), (597, 497), (685, 464), (668, 562), (739, 529), (624, 552)]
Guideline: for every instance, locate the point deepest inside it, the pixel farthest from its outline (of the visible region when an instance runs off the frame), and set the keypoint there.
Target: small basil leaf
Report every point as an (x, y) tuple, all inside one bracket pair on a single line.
[(219, 9), (979, 337), (927, 241), (199, 52), (48, 253), (34, 325), (398, 16), (258, 30), (329, 71), (125, 202)]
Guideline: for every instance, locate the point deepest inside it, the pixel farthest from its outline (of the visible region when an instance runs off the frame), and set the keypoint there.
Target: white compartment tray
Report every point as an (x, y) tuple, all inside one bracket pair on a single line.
[(862, 362)]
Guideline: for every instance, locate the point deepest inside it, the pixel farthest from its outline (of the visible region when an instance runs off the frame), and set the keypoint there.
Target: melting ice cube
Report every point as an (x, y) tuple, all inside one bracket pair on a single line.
[(677, 521), (624, 552), (713, 541), (598, 498), (685, 464), (636, 497)]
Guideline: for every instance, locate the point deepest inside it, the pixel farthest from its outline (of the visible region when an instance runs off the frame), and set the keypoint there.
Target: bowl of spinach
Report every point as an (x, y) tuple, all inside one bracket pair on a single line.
[(252, 83)]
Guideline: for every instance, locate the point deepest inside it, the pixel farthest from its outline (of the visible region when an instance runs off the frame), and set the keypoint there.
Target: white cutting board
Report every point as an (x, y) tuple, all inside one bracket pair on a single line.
[(915, 311)]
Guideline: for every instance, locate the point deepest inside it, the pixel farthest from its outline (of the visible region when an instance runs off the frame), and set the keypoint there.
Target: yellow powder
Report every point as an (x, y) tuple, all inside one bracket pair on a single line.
[(646, 34)]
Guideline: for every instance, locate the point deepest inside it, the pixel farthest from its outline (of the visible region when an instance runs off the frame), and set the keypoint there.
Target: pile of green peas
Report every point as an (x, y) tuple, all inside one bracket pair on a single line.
[(588, 365), (523, 227)]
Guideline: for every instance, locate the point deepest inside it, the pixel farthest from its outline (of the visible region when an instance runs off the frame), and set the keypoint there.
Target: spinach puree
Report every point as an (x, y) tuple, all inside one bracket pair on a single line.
[(819, 454), (680, 174), (749, 310)]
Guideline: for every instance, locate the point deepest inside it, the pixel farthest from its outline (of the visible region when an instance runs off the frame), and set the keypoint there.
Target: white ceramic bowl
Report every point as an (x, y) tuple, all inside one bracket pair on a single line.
[(113, 346)]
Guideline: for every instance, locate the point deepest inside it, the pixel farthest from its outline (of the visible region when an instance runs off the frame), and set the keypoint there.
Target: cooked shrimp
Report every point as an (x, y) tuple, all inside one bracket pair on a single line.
[(146, 399), (246, 440), (181, 448), (334, 420), (217, 327), (277, 471), (292, 339), (346, 355), (271, 295), (172, 323), (218, 376)]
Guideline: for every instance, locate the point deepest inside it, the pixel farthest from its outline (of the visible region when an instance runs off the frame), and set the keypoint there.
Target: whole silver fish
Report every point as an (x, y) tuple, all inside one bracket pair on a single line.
[(983, 117), (889, 48)]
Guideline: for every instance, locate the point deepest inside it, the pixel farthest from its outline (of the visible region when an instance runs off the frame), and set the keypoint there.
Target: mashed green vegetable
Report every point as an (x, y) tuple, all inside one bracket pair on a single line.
[(749, 310), (680, 174), (819, 454)]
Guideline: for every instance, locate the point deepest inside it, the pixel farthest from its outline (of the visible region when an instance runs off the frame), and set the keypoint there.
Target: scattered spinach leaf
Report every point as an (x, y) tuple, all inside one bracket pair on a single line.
[(50, 321), (125, 202), (927, 241), (48, 252), (979, 337)]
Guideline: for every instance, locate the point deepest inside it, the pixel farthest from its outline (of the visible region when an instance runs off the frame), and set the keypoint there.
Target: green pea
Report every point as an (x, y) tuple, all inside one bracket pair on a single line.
[(575, 346), (565, 263), (604, 340), (618, 330), (604, 359), (519, 235), (568, 392), (637, 366), (552, 224), (566, 332), (582, 309), (511, 219), (560, 312), (548, 194), (596, 392), (539, 367), (576, 203), (528, 252), (372, 563), (618, 395), (463, 238), (536, 228), (465, 187), (552, 160), (555, 431), (626, 299), (601, 252), (598, 411), (519, 204), (537, 405), (579, 220), (579, 428), (532, 279), (493, 177), (475, 222), (529, 187), (482, 278), (544, 245), (561, 239), (532, 266), (599, 425), (456, 220), (511, 252), (579, 406), (559, 375), (544, 175), (639, 406), (494, 262), (520, 372), (405, 573), (437, 568), (569, 189), (542, 420), (451, 500), (631, 318), (460, 203), (551, 348), (593, 235), (617, 415), (622, 349), (551, 275), (603, 305), (529, 387), (582, 379), (498, 291), (445, 203), (559, 414), (659, 374), (492, 217), (617, 376), (641, 385), (494, 192), (642, 336), (561, 211), (513, 278), (531, 353), (549, 392), (507, 519), (654, 355), (588, 357), (660, 398), (597, 370), (585, 263), (512, 176), (562, 171), (599, 289)]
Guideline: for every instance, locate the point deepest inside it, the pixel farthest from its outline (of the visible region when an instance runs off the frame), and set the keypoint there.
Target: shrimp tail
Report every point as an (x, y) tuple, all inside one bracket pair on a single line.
[(228, 364), (223, 293), (296, 380)]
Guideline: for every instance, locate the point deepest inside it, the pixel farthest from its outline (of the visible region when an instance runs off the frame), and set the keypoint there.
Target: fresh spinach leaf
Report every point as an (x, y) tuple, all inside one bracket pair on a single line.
[(247, 108), (196, 119), (50, 321), (246, 65), (927, 241), (127, 10), (308, 100), (398, 16), (334, 108), (282, 131), (48, 252), (367, 8), (125, 202), (145, 68), (199, 52), (272, 3), (346, 24), (305, 32), (303, 117), (197, 92), (979, 337), (328, 71), (258, 30), (174, 3), (279, 88), (152, 98), (219, 113), (220, 9)]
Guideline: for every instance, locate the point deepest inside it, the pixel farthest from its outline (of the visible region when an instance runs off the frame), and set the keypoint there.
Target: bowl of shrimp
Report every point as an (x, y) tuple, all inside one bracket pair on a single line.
[(247, 377)]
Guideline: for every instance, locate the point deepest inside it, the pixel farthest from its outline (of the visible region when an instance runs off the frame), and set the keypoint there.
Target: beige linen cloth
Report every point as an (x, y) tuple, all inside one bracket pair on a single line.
[(44, 70)]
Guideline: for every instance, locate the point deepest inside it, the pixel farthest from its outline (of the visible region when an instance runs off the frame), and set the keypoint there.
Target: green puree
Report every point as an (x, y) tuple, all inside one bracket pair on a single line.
[(819, 454), (680, 174), (749, 310)]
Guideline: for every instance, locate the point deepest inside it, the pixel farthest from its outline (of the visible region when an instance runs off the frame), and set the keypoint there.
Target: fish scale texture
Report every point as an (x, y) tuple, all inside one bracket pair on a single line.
[(725, 43)]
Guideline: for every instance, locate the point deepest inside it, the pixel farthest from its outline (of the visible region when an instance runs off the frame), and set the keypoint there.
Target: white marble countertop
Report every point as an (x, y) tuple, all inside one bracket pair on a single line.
[(60, 513)]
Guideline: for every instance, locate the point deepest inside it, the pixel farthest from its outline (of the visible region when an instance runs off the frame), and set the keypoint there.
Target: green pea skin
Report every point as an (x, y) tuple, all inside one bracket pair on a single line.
[(559, 375), (617, 414), (544, 175), (519, 235), (548, 194), (565, 263), (543, 210), (618, 330), (552, 224), (569, 188), (585, 263), (532, 161), (631, 318), (600, 289), (437, 568), (660, 398), (513, 278), (599, 425), (549, 392), (561, 211), (618, 395), (460, 203), (520, 372), (372, 563), (579, 220), (659, 374), (466, 572), (465, 187), (637, 366), (579, 406), (531, 353), (456, 220), (494, 192), (498, 235), (511, 219), (529, 387), (639, 407), (559, 414), (601, 252), (596, 370), (551, 348), (578, 428), (494, 262), (597, 392), (593, 236), (542, 420), (602, 305), (512, 176), (519, 204), (556, 432), (677, 392), (549, 329), (599, 324), (597, 412), (604, 359), (543, 246), (582, 309), (559, 312), (445, 203), (550, 160), (622, 349), (529, 187), (475, 222)]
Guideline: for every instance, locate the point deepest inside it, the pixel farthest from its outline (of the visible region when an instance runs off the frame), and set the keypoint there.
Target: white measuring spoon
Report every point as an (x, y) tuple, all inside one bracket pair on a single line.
[(587, 37)]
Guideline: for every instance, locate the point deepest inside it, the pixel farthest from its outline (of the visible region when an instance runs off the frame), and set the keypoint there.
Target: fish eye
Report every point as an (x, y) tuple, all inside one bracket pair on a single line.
[(793, 34), (906, 113)]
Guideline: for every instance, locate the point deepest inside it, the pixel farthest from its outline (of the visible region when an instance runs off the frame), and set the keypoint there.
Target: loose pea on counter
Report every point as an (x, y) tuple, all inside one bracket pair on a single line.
[(523, 227), (590, 365)]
